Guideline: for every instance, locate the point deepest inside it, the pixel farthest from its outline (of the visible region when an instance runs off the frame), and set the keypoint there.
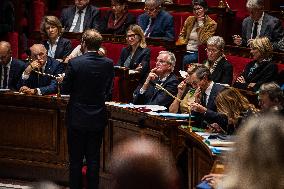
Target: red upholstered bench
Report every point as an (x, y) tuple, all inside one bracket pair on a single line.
[(136, 12), (238, 63), (103, 11)]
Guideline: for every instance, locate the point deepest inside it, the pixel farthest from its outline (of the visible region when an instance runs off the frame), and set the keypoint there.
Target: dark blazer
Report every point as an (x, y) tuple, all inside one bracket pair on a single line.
[(46, 84), (17, 67), (141, 55), (91, 19), (163, 25), (121, 30), (265, 72), (200, 119), (154, 96), (271, 27), (88, 80), (223, 72), (63, 49)]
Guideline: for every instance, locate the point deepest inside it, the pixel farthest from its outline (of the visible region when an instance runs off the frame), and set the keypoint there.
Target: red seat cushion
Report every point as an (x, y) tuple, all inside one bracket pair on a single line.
[(136, 12), (179, 18), (13, 38), (104, 10)]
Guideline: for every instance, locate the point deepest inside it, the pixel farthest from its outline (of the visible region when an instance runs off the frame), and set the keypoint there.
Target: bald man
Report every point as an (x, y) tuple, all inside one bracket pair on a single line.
[(11, 69), (34, 83), (143, 163)]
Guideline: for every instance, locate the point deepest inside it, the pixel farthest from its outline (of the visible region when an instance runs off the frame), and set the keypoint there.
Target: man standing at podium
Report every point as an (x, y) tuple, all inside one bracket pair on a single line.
[(88, 80)]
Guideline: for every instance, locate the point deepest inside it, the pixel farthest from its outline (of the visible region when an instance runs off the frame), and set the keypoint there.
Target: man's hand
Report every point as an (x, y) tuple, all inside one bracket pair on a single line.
[(27, 90), (197, 95), (251, 85), (197, 107), (213, 179), (60, 78)]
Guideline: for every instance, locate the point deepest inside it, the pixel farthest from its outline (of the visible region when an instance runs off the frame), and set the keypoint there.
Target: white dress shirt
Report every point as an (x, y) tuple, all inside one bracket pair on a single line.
[(76, 18)]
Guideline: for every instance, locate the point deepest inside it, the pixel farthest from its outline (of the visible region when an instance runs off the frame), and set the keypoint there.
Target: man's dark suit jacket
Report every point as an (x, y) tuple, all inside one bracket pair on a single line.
[(265, 72), (163, 25), (271, 27), (202, 120), (154, 96), (119, 30), (63, 49), (91, 19), (88, 80), (141, 55), (46, 84), (223, 72), (17, 67)]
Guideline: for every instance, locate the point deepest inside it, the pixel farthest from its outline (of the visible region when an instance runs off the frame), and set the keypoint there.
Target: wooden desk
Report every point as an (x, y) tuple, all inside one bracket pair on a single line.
[(33, 137), (33, 143)]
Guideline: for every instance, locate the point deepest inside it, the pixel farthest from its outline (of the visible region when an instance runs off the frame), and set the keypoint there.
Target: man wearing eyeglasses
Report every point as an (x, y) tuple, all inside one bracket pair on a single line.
[(156, 22), (37, 78), (163, 75)]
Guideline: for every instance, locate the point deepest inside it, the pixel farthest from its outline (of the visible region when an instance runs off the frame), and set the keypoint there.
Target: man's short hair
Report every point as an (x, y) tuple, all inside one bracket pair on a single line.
[(171, 59), (202, 72), (92, 39), (154, 2), (216, 40), (255, 4)]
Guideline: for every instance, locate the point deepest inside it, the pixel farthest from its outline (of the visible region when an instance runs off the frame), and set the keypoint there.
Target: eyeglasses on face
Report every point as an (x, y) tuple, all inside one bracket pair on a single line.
[(130, 36), (212, 50)]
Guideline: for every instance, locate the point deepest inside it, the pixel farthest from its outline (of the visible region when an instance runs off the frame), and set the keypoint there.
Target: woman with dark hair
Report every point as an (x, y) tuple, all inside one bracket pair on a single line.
[(57, 47), (261, 69), (196, 30), (118, 19), (136, 55)]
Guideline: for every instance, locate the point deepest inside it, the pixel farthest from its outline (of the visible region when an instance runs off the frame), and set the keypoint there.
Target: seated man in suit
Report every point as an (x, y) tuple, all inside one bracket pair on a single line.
[(205, 95), (156, 22), (35, 79), (11, 69), (259, 24), (162, 74), (80, 17)]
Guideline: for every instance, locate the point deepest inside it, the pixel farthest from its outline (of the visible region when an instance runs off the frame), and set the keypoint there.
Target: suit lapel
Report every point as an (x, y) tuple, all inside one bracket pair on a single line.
[(86, 18), (264, 24), (58, 48), (212, 95), (11, 72), (250, 22), (133, 61)]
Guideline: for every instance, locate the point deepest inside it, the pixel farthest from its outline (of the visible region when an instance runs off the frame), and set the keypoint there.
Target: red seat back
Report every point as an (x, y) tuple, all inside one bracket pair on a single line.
[(238, 63), (154, 54), (113, 50)]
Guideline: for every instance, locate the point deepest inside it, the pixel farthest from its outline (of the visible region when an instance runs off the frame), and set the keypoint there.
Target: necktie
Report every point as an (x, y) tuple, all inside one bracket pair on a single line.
[(149, 28), (254, 32), (5, 84), (203, 99), (78, 23)]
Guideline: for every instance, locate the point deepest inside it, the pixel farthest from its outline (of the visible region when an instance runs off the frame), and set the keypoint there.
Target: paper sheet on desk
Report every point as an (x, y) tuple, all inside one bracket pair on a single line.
[(4, 90), (153, 108), (166, 114)]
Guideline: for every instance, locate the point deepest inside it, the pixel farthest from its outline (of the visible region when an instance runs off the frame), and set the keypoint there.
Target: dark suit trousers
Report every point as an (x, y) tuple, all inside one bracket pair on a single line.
[(84, 143)]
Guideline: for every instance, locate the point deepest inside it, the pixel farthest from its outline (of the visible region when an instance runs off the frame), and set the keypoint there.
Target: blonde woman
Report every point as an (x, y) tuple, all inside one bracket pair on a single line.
[(261, 69), (136, 55)]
